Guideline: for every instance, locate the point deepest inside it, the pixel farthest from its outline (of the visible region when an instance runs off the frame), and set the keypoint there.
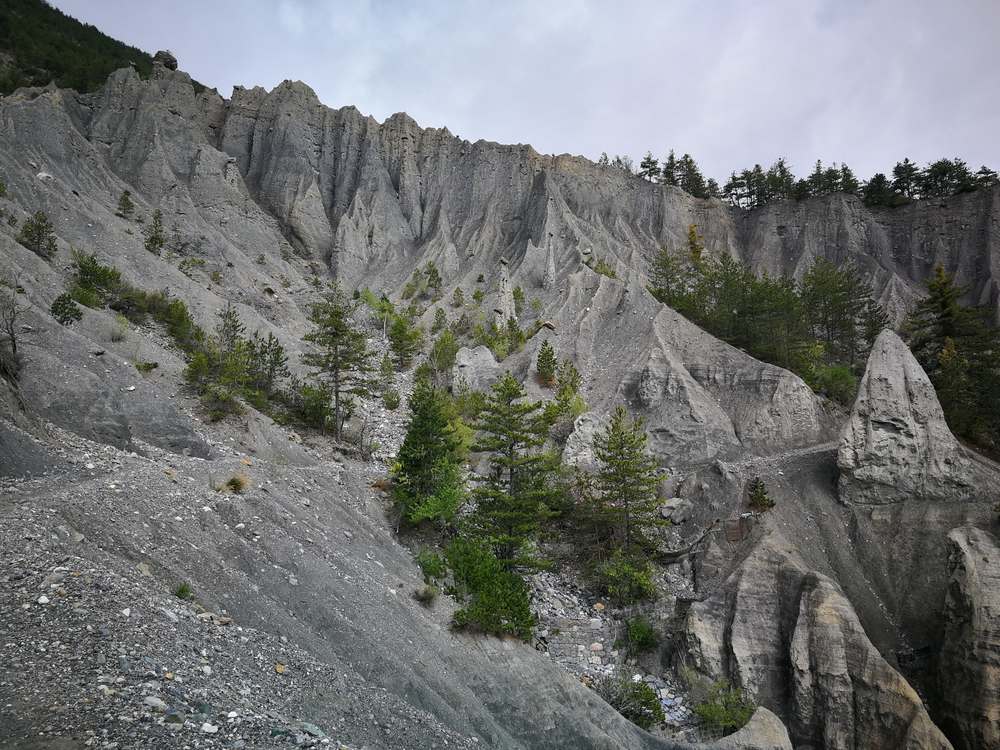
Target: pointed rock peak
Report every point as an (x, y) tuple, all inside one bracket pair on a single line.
[(165, 58), (897, 445)]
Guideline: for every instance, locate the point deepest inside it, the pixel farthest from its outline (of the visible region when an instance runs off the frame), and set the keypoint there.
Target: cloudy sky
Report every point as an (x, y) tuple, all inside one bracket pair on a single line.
[(733, 82)]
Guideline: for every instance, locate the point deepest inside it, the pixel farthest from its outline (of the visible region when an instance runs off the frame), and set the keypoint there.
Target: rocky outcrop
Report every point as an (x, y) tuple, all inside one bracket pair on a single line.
[(476, 368), (764, 731), (969, 662), (789, 637), (897, 445)]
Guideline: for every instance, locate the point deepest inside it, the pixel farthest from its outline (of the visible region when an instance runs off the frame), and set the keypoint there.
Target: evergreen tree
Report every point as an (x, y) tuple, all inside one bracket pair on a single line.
[(817, 179), (670, 174), (649, 167), (713, 189), (878, 191), (985, 177), (458, 298), (960, 351), (626, 483), (759, 500), (946, 177), (427, 482), (38, 235), (440, 320), (695, 246), (690, 177), (405, 340), (442, 356), (386, 374), (125, 205), (905, 178), (155, 238), (848, 182), (546, 364), (780, 180), (343, 358), (512, 499), (268, 363)]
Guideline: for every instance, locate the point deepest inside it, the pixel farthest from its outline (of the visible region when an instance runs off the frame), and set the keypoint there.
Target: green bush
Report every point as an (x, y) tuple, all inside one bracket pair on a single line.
[(636, 701), (432, 565), (836, 382), (38, 235), (625, 581), (496, 600), (639, 637), (391, 399), (725, 709), (65, 311), (183, 591)]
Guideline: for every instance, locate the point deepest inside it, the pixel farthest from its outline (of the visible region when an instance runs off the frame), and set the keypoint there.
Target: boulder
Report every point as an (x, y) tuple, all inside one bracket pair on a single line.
[(165, 58), (476, 368), (579, 448), (897, 445), (764, 731), (969, 662), (675, 510)]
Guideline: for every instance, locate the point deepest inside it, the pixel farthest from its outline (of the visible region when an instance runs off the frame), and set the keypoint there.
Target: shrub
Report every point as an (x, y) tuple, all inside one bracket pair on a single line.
[(238, 483), (261, 260), (625, 580), (183, 591), (496, 600), (432, 565), (837, 382), (65, 311), (518, 295), (639, 637), (480, 279), (146, 367), (391, 399), (38, 236), (478, 295), (220, 401), (603, 268), (636, 701), (426, 595), (725, 709)]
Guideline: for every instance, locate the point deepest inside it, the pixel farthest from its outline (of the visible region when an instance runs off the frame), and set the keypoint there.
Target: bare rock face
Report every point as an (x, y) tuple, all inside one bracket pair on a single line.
[(790, 638), (476, 368), (969, 662), (166, 59), (764, 731), (897, 445)]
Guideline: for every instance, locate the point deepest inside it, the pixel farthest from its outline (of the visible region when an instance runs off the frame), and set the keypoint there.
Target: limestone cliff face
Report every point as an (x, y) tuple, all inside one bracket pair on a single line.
[(897, 445), (969, 664), (791, 639)]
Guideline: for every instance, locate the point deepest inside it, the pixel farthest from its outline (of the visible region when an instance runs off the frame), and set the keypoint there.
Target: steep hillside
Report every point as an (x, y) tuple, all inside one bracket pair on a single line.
[(40, 44)]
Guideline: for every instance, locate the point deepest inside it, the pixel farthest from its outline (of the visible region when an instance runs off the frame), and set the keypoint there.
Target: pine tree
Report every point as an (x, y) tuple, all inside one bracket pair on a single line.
[(442, 356), (268, 362), (626, 482), (848, 182), (37, 235), (155, 238), (386, 374), (546, 364), (125, 205), (512, 499), (458, 298), (440, 320), (905, 178), (343, 358), (649, 167), (670, 174), (696, 248), (427, 483), (690, 178), (758, 498), (405, 340)]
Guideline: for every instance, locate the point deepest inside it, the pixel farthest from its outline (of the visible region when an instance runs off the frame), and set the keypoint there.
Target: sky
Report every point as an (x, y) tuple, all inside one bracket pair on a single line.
[(732, 82)]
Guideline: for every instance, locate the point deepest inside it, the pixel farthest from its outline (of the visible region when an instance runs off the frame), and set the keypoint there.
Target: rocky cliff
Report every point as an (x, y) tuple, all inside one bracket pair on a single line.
[(267, 195)]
